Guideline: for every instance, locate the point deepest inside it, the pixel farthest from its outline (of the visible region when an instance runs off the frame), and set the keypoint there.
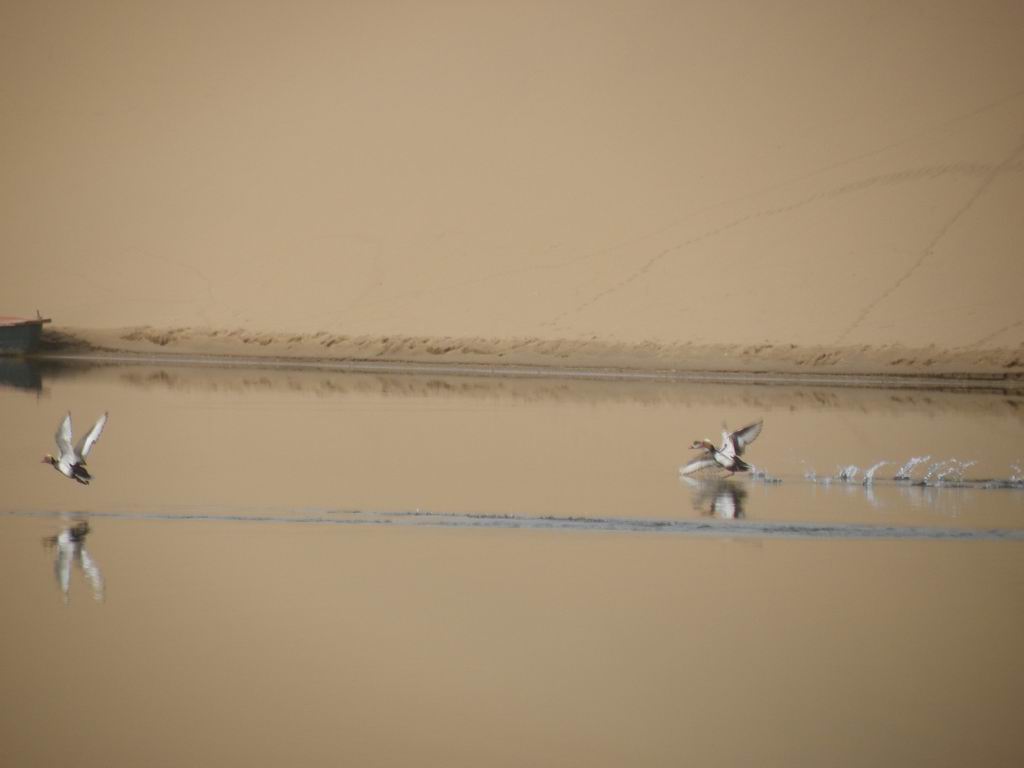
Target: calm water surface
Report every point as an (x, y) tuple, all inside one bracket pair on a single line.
[(326, 568)]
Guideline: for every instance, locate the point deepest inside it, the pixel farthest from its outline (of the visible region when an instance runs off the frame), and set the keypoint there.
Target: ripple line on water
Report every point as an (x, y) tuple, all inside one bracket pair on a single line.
[(423, 518)]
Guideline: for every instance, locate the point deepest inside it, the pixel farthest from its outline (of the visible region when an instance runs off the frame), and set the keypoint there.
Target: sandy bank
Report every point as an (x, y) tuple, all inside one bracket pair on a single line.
[(783, 186), (982, 366)]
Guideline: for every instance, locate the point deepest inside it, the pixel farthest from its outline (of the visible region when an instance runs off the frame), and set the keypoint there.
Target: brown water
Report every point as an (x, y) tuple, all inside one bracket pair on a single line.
[(328, 569)]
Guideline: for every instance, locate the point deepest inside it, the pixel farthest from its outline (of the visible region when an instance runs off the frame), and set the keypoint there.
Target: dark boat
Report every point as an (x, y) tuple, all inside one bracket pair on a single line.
[(19, 335)]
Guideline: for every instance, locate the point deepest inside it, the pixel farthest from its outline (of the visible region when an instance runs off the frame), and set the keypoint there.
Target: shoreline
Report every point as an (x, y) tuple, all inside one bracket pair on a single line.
[(999, 370)]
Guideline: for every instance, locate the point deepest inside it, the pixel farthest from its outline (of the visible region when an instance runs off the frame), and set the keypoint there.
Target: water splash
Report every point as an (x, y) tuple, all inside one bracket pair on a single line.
[(762, 476), (812, 477), (847, 474), (1015, 481), (954, 473), (933, 469), (903, 474), (945, 473), (869, 476)]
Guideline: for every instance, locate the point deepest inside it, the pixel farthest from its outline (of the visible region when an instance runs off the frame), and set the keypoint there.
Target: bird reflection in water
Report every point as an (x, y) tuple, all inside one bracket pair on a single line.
[(717, 497), (70, 548)]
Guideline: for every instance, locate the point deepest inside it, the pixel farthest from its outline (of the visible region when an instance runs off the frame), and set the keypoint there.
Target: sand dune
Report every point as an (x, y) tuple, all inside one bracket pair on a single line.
[(727, 185)]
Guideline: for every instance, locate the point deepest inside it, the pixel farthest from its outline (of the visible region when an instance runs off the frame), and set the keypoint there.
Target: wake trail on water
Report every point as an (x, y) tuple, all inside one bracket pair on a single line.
[(425, 518)]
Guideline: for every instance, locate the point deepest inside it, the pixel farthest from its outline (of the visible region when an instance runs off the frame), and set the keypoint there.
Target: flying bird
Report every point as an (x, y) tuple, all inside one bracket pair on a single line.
[(70, 461), (728, 456)]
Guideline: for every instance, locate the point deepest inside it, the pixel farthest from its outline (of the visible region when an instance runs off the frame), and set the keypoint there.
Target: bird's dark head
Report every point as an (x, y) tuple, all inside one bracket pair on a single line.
[(48, 459)]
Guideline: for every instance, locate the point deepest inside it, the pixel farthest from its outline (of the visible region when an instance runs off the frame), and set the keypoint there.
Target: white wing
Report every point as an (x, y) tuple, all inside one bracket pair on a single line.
[(63, 437), (741, 438), (83, 448), (701, 462), (728, 448)]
